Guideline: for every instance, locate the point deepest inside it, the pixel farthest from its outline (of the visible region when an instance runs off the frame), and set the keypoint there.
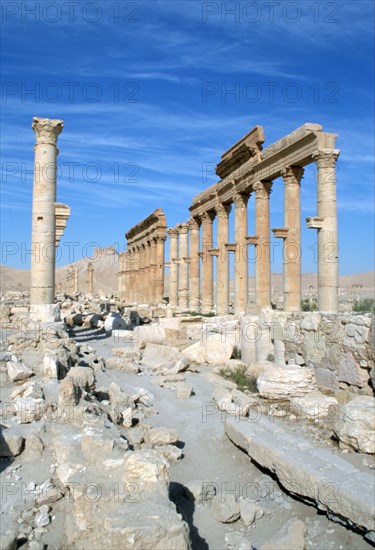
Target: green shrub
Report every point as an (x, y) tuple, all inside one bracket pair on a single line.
[(307, 306), (238, 376), (367, 305)]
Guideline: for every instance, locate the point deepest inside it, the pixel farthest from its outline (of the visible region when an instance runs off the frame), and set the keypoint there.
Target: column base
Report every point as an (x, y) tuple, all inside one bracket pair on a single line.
[(45, 313)]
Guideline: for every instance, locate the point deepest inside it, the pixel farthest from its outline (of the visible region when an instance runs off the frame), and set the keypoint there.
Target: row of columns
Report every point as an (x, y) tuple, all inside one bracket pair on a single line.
[(191, 290), (143, 272)]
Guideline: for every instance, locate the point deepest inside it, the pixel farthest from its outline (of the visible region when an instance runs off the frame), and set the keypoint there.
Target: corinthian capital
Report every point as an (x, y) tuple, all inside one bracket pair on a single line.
[(292, 174), (194, 224), (47, 130), (223, 210), (262, 189), (326, 158)]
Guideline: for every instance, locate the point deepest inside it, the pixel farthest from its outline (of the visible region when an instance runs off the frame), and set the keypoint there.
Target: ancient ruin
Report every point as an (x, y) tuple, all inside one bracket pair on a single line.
[(247, 170), (161, 417)]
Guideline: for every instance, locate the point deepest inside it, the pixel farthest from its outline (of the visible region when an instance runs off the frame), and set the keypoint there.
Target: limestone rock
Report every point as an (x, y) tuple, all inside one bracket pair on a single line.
[(34, 445), (11, 443), (217, 350), (225, 508), (122, 363), (223, 398), (18, 371), (194, 353), (152, 334), (147, 466), (129, 353), (291, 536), (255, 369), (200, 491), (237, 541), (356, 425), (278, 382), (30, 410), (250, 511), (183, 391), (83, 377), (114, 321), (158, 357), (161, 436), (315, 405)]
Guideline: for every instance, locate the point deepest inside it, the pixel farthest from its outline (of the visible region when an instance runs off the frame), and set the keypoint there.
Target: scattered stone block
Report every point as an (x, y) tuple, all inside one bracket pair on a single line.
[(291, 536), (18, 371), (250, 511), (161, 436), (284, 382), (183, 391), (11, 443), (225, 509), (356, 425), (314, 406)]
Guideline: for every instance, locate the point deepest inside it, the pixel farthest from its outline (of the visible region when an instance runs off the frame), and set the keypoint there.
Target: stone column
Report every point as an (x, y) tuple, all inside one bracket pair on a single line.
[(292, 243), (262, 230), (241, 271), (134, 264), (90, 278), (183, 283), (152, 270), (328, 264), (147, 280), (43, 220), (222, 279), (194, 272), (159, 286), (207, 262), (173, 273)]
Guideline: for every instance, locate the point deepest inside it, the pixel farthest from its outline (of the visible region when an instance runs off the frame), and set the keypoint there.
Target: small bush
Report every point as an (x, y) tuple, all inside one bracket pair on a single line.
[(307, 306), (236, 353), (367, 305), (238, 376), (270, 357)]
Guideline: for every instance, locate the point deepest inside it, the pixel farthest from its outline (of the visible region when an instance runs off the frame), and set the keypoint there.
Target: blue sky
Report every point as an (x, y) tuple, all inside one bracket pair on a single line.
[(153, 92)]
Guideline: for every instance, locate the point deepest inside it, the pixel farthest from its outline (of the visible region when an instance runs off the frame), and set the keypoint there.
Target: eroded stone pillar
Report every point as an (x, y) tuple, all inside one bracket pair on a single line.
[(240, 271), (207, 262), (183, 283), (43, 220), (262, 230), (292, 243), (90, 278), (173, 267), (326, 223), (147, 271), (152, 270), (194, 271), (222, 280), (159, 286)]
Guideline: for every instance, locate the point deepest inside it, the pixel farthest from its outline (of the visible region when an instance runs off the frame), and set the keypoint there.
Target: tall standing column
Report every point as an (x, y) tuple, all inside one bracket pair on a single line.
[(292, 243), (241, 271), (90, 278), (222, 282), (147, 290), (207, 262), (262, 230), (183, 283), (328, 263), (134, 265), (159, 287), (194, 272), (152, 270), (173, 274), (43, 220)]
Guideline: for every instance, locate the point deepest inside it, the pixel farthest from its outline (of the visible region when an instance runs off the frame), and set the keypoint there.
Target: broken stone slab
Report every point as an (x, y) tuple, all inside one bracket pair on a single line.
[(225, 509), (355, 426), (290, 536), (147, 466), (194, 353), (223, 398), (158, 357), (284, 382), (243, 402), (161, 436), (129, 353), (215, 350), (314, 406), (124, 364), (318, 475), (18, 371)]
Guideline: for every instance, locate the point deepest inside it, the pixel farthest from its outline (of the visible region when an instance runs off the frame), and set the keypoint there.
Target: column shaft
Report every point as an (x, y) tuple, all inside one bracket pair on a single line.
[(173, 273), (262, 230), (328, 265), (222, 280), (241, 272), (159, 287), (292, 242), (183, 282), (207, 262), (194, 271), (152, 271)]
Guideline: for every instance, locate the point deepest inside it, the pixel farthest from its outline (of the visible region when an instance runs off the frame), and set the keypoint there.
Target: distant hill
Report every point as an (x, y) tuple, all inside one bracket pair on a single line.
[(106, 267)]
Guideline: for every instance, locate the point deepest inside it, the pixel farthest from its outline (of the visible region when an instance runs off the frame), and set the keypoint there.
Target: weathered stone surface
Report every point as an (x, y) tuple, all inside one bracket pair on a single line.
[(223, 398), (18, 371), (200, 491), (315, 405), (34, 445), (250, 511), (243, 402), (149, 334), (158, 357), (290, 537), (147, 467), (114, 321), (11, 443), (269, 444), (183, 391), (356, 424), (50, 367), (161, 436), (326, 378), (129, 353), (194, 353), (237, 541), (225, 509), (83, 377), (255, 369), (349, 372), (217, 350), (124, 364), (284, 382)]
